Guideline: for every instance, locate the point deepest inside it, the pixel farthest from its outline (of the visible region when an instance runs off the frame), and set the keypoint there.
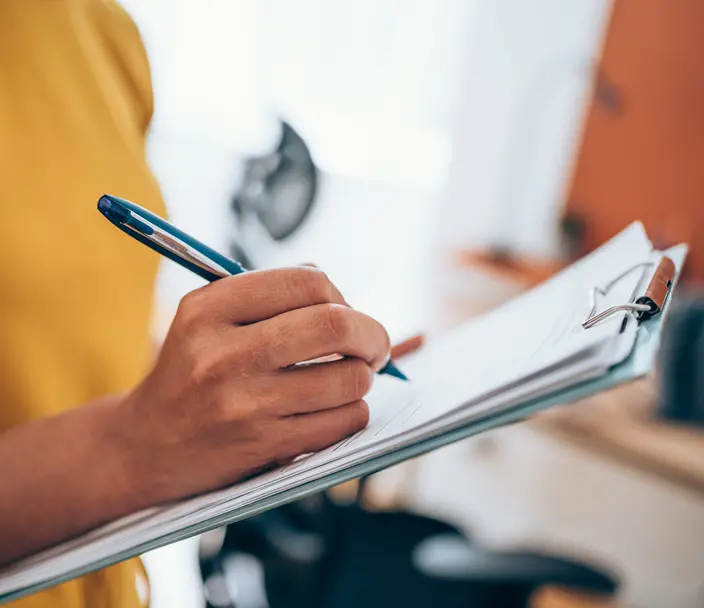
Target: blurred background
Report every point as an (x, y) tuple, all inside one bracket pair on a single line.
[(437, 157)]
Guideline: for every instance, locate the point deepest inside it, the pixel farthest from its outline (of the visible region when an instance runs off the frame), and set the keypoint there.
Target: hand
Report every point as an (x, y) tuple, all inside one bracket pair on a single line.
[(222, 401)]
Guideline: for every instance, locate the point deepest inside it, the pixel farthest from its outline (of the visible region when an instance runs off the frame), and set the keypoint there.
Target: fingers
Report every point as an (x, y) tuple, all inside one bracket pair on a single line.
[(313, 332), (262, 294), (319, 387), (407, 347), (314, 432)]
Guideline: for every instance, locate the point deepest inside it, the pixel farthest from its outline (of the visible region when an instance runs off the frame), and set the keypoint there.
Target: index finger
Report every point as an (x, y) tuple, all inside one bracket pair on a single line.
[(319, 331), (263, 294)]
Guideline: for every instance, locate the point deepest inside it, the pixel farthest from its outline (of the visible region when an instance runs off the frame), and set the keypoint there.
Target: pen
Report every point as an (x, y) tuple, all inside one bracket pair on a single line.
[(164, 238)]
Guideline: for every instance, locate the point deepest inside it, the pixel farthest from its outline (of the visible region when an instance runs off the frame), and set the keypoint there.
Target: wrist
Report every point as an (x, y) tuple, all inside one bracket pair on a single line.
[(123, 468)]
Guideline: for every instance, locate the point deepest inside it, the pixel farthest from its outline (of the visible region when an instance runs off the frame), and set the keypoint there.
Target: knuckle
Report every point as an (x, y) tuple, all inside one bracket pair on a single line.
[(242, 413), (359, 415), (190, 310), (211, 366), (259, 351), (222, 410), (203, 371), (315, 284), (238, 359), (241, 355), (245, 410), (337, 323), (359, 379)]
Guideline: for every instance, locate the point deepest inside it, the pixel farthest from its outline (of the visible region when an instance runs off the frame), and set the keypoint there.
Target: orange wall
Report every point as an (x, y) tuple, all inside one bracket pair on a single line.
[(642, 150)]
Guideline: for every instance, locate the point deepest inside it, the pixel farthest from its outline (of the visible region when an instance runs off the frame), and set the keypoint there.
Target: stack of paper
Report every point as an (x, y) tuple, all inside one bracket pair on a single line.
[(533, 346)]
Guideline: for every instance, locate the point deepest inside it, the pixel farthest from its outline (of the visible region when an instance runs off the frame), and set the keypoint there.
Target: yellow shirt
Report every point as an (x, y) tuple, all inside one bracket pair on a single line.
[(76, 295)]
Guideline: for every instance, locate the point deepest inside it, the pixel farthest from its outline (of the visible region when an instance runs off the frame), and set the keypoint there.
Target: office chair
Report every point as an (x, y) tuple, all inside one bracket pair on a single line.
[(507, 578), (316, 554)]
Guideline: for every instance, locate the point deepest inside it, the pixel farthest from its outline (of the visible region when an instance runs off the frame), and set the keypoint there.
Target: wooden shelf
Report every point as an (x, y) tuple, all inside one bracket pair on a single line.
[(621, 425), (520, 270)]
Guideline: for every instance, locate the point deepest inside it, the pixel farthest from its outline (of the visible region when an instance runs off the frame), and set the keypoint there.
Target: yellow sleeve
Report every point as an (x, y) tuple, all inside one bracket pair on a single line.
[(75, 104), (124, 44)]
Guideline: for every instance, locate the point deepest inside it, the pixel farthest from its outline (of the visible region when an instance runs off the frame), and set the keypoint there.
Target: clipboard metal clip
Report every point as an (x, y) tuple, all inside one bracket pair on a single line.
[(642, 307)]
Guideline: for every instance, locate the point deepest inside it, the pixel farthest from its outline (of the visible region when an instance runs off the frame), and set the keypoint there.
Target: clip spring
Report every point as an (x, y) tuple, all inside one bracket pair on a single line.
[(647, 305)]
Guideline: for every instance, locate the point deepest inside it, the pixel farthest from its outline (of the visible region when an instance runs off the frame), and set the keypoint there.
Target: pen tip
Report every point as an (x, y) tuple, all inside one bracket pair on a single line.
[(394, 371)]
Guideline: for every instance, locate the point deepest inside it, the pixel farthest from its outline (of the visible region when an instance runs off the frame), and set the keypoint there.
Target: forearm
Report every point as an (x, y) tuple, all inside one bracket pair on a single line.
[(61, 476)]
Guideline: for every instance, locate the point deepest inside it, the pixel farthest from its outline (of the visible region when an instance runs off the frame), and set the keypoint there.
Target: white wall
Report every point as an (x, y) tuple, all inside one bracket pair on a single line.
[(385, 90), (368, 82), (518, 117)]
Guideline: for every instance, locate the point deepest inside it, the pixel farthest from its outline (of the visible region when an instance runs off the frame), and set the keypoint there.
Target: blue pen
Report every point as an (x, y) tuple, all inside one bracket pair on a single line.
[(157, 234)]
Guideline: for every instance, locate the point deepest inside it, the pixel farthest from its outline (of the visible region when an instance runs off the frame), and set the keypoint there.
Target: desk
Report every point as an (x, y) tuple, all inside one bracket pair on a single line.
[(621, 425)]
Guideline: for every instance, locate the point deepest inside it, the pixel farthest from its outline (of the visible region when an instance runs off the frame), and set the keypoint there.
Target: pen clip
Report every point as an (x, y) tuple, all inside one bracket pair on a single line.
[(167, 240)]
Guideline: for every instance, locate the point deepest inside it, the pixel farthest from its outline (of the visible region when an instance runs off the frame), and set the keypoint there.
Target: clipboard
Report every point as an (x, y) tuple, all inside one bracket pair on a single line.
[(638, 363)]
